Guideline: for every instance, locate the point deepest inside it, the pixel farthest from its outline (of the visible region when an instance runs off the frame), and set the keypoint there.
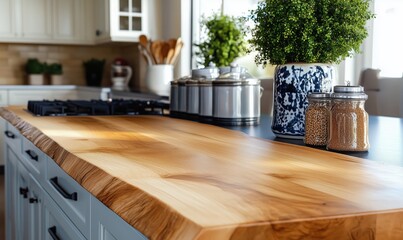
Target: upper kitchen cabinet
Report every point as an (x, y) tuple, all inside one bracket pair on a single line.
[(120, 20), (46, 21)]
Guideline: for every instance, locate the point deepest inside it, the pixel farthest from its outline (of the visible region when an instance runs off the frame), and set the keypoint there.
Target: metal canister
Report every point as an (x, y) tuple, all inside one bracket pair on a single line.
[(204, 77), (206, 100), (348, 120), (236, 98), (192, 105), (182, 96), (174, 98)]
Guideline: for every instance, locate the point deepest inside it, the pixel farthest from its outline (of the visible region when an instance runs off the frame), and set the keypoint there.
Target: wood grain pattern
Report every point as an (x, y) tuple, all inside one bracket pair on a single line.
[(176, 179)]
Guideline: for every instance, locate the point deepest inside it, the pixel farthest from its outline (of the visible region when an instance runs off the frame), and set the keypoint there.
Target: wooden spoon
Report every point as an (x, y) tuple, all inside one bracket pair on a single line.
[(164, 51), (145, 45), (178, 47), (156, 51)]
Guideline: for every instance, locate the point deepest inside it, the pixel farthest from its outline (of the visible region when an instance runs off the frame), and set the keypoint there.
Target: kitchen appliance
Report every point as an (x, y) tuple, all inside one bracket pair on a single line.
[(236, 98), (98, 107), (121, 73)]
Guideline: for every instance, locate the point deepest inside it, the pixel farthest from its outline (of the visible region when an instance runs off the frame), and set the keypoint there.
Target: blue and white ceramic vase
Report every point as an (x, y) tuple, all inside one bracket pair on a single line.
[(292, 83)]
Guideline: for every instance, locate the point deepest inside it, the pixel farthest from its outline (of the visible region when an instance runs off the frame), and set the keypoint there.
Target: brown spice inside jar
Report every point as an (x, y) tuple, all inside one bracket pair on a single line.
[(348, 126), (316, 124)]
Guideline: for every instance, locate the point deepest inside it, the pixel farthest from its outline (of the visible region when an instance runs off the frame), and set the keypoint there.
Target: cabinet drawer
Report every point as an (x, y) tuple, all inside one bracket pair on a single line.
[(34, 159), (73, 199), (57, 224), (13, 138)]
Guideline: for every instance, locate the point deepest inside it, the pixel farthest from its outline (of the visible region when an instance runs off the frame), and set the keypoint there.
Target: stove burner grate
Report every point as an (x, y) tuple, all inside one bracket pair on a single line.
[(97, 107)]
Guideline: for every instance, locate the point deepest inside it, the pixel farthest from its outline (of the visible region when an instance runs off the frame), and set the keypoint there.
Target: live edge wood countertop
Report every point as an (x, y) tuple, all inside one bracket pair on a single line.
[(177, 179)]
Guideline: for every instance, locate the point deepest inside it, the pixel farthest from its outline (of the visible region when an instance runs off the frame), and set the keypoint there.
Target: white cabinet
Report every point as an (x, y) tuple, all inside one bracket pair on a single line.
[(106, 225), (46, 21), (7, 19), (35, 17), (120, 20), (45, 203)]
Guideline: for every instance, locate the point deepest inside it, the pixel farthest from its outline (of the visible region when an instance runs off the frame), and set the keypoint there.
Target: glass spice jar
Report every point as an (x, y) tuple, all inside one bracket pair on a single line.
[(317, 119), (348, 120)]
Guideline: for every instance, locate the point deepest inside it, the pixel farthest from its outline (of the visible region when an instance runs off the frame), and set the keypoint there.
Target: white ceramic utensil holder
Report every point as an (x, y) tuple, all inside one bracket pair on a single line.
[(158, 79)]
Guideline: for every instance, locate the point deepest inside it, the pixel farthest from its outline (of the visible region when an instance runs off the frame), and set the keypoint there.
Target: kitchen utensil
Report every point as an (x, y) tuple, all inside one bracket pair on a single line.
[(147, 55), (178, 47), (158, 78), (156, 51), (145, 43), (236, 98), (164, 52)]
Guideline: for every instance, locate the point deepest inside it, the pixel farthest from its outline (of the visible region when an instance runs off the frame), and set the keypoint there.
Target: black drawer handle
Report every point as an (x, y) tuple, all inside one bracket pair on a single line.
[(55, 184), (9, 134), (52, 233), (24, 192), (33, 200), (32, 155)]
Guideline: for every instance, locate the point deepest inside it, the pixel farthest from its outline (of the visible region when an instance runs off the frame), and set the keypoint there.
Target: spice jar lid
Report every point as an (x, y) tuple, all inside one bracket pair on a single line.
[(317, 95), (349, 92)]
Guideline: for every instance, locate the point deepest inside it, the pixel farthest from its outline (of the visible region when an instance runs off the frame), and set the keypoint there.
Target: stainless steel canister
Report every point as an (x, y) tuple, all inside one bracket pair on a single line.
[(236, 98), (206, 100), (173, 99), (205, 76), (182, 95), (192, 91)]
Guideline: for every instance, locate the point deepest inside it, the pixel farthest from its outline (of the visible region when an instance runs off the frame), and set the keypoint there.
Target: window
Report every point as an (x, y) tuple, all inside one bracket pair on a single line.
[(388, 38), (233, 8)]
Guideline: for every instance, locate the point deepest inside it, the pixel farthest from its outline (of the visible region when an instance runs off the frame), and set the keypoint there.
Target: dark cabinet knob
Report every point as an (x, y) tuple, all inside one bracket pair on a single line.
[(33, 200), (98, 32), (24, 192)]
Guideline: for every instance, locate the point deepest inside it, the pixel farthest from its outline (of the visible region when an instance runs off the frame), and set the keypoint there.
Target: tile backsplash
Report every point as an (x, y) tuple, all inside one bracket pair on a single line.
[(14, 56)]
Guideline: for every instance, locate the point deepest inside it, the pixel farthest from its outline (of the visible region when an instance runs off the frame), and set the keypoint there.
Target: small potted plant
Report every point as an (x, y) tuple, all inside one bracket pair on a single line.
[(55, 71), (304, 39), (35, 71), (94, 71), (224, 40)]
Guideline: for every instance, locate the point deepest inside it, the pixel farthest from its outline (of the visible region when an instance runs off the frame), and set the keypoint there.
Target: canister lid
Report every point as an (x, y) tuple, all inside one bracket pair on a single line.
[(236, 76), (210, 72), (349, 92), (318, 95)]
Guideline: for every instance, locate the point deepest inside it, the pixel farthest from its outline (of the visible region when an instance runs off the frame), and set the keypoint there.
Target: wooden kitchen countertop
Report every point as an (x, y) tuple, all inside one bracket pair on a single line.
[(177, 179)]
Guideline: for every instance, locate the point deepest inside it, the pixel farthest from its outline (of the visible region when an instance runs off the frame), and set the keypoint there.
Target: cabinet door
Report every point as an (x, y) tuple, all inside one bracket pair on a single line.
[(69, 20), (128, 18), (23, 221), (36, 210), (106, 225), (101, 16), (7, 19), (11, 194), (56, 224), (36, 19)]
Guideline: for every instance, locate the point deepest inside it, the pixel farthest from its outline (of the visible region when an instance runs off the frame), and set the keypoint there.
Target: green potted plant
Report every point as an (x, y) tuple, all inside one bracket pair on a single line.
[(35, 71), (304, 39), (224, 40), (55, 71)]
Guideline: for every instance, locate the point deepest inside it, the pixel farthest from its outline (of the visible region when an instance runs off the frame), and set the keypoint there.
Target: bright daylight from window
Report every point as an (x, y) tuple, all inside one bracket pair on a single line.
[(388, 38)]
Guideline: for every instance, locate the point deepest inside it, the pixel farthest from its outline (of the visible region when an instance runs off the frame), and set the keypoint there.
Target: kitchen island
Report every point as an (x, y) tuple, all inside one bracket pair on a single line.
[(178, 179)]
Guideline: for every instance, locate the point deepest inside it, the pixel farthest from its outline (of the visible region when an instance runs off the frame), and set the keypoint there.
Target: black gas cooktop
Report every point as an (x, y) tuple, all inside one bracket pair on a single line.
[(97, 107)]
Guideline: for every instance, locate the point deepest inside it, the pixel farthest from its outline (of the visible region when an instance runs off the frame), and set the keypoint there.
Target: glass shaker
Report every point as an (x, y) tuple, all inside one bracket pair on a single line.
[(317, 119), (348, 120)]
